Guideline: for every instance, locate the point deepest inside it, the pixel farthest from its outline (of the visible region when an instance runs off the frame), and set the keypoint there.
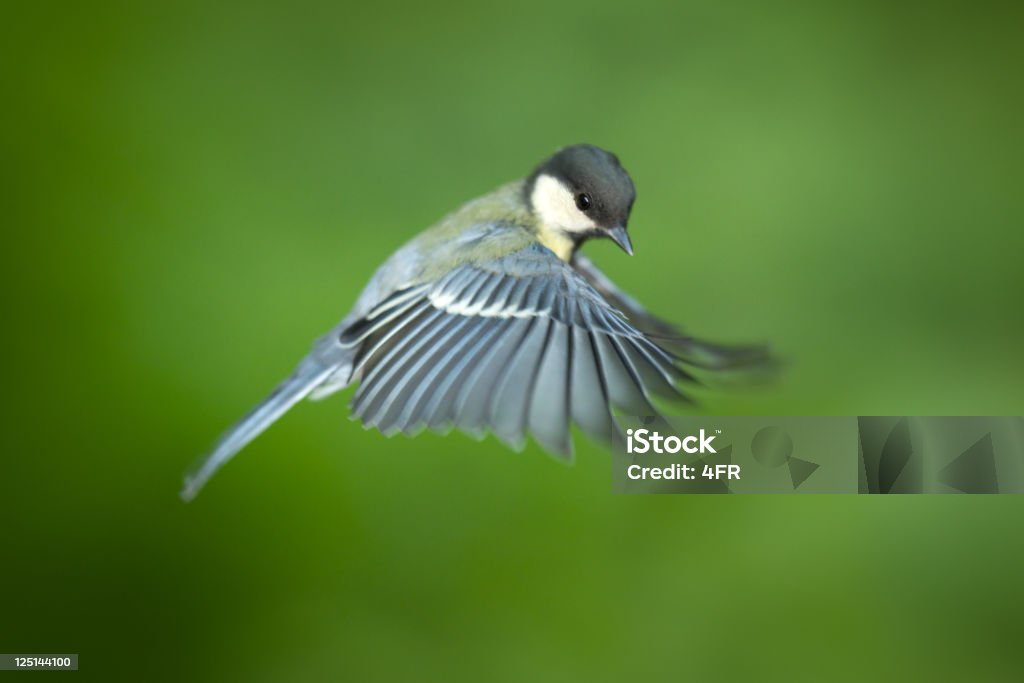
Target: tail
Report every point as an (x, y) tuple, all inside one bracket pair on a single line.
[(307, 376)]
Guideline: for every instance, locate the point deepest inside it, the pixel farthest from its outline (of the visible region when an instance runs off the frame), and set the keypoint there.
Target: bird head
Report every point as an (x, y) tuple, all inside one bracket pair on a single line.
[(582, 191)]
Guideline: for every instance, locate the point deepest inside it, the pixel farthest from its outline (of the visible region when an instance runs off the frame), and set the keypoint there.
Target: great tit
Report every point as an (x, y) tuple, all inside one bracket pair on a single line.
[(493, 321)]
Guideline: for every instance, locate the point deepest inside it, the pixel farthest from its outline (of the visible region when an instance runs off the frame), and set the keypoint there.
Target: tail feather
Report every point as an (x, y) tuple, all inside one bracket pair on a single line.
[(306, 377)]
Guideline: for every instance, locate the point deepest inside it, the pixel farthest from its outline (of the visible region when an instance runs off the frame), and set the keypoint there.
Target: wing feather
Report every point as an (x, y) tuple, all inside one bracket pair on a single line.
[(510, 401), (472, 406), (393, 360), (590, 407), (440, 411), (520, 345), (396, 394), (435, 366), (549, 410)]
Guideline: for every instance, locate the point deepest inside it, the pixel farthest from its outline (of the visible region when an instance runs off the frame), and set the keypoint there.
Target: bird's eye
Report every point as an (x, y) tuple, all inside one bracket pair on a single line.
[(583, 201)]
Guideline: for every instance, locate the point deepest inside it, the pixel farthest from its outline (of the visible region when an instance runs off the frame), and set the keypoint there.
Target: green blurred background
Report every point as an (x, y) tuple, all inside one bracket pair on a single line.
[(191, 194)]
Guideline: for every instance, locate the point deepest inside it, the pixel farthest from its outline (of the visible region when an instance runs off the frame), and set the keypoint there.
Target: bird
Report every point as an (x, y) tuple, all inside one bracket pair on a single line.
[(493, 321)]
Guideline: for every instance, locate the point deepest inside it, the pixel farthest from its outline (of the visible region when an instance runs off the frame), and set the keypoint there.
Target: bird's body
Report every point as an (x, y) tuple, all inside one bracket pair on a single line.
[(491, 321), (498, 220)]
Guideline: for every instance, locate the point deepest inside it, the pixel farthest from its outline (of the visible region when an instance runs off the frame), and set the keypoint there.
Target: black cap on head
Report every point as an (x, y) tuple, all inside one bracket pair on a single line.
[(596, 178)]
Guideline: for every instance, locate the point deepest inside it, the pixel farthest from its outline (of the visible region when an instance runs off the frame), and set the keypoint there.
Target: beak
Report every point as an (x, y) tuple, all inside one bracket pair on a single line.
[(620, 237)]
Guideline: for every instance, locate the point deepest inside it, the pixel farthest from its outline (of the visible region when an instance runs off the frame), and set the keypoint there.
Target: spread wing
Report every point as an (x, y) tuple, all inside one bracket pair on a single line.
[(521, 345), (696, 352)]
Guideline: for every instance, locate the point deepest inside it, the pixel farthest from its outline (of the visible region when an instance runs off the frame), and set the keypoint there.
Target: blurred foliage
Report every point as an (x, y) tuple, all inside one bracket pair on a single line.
[(193, 191)]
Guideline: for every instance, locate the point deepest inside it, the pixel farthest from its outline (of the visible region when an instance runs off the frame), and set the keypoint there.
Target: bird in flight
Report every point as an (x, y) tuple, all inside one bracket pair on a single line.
[(493, 321)]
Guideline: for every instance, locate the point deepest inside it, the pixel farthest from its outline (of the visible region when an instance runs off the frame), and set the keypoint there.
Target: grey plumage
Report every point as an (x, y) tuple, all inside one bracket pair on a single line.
[(493, 322)]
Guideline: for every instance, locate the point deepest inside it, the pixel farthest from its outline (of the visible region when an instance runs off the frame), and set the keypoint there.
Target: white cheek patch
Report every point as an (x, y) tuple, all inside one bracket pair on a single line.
[(555, 204)]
